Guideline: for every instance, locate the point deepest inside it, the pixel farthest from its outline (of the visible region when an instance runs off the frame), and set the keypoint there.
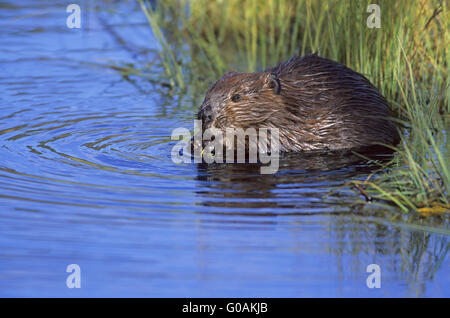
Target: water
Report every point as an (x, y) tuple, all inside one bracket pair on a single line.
[(86, 178)]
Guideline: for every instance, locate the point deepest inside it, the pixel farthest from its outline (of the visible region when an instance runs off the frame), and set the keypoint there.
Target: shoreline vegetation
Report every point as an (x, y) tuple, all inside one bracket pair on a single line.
[(407, 59)]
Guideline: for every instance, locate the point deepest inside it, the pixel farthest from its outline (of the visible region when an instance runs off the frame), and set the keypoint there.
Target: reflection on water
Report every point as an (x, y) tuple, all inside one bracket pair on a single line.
[(86, 178), (300, 182)]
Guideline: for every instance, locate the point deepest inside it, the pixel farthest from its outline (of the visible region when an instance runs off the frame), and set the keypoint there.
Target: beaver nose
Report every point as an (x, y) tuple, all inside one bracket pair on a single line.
[(205, 114)]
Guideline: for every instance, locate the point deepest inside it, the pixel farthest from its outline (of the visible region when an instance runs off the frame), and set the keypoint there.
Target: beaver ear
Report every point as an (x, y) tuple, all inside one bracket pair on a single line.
[(274, 83)]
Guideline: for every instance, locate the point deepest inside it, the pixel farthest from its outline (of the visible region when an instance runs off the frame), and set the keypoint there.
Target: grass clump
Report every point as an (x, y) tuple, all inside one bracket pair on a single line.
[(407, 59)]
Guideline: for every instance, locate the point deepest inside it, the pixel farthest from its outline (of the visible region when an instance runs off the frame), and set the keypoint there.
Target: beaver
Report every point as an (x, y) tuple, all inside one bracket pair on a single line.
[(316, 103)]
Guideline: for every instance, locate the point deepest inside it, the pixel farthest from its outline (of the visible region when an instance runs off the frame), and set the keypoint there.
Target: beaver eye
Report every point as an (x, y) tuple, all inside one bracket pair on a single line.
[(236, 97)]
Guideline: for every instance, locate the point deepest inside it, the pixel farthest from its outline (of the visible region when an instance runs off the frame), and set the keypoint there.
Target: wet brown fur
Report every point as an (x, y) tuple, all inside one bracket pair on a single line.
[(315, 103)]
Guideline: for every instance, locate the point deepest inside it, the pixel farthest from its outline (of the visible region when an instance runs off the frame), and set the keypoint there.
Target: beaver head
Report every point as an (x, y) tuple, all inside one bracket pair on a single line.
[(240, 100)]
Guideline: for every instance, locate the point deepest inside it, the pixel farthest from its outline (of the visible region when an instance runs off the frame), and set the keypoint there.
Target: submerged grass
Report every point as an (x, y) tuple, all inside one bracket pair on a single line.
[(406, 58)]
